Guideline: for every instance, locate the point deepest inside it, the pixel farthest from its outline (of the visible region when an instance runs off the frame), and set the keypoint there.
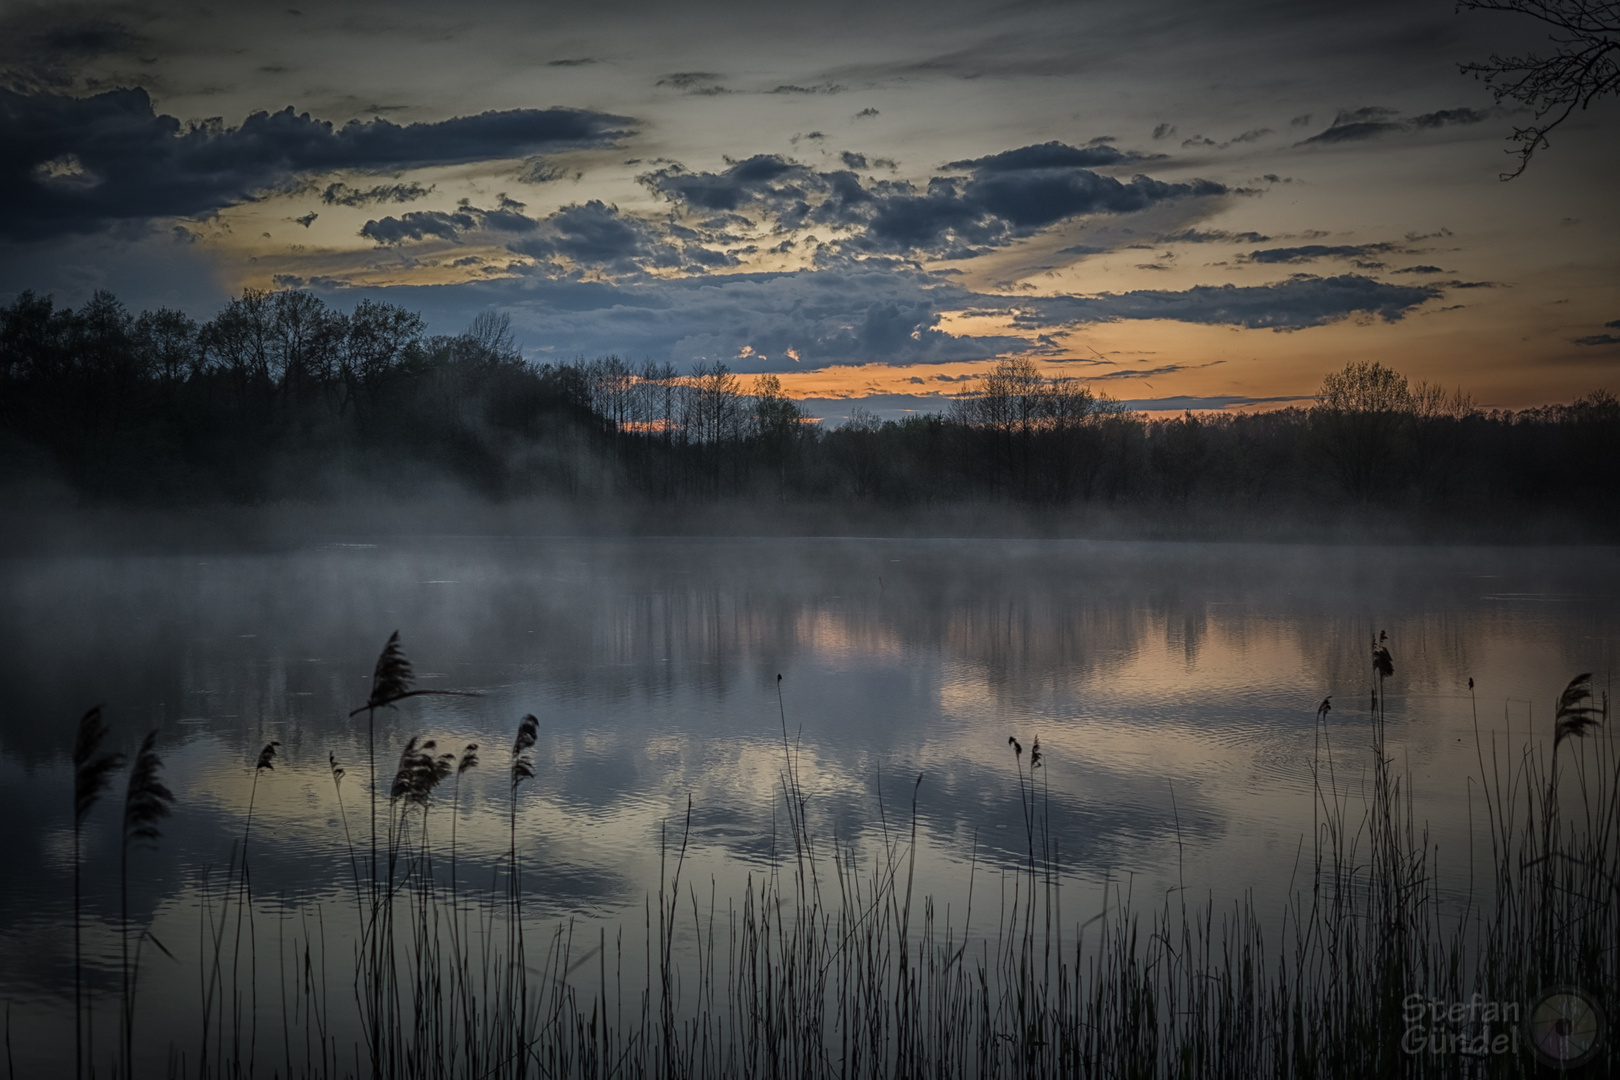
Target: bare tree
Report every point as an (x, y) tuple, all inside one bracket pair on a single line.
[(1360, 416), (1584, 66)]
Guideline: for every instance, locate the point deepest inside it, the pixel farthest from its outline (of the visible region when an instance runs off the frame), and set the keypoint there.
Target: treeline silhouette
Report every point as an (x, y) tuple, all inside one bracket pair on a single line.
[(280, 396)]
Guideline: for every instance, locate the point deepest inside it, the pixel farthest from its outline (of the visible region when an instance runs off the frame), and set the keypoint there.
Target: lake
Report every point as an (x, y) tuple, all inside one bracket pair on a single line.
[(1173, 687)]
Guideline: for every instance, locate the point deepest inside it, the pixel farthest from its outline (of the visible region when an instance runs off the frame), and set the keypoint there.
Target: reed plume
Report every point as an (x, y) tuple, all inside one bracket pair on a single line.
[(392, 680), (266, 761), (146, 802), (92, 774), (1576, 715), (522, 762), (469, 760), (521, 769), (92, 766), (348, 837), (1383, 664), (420, 771)]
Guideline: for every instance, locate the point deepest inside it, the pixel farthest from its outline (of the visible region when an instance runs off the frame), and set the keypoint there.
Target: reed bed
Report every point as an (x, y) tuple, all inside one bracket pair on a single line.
[(830, 963)]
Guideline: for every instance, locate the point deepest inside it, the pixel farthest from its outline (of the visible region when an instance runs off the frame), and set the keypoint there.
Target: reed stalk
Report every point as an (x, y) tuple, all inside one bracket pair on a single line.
[(146, 802), (92, 774)]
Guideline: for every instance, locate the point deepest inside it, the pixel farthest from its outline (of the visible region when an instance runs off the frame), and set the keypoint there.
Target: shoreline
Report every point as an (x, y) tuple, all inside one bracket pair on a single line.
[(107, 528)]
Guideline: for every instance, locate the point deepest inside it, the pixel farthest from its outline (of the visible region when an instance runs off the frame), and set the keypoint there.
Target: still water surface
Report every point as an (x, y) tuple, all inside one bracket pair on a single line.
[(1173, 688)]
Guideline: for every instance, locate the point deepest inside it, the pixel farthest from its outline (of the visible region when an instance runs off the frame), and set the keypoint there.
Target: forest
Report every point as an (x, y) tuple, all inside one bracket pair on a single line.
[(283, 398)]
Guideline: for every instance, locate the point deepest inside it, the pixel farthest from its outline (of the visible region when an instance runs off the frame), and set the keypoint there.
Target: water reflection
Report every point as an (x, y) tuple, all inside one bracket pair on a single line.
[(1173, 688)]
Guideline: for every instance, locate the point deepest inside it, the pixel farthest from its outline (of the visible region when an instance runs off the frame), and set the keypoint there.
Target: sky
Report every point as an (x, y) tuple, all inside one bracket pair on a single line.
[(1182, 203)]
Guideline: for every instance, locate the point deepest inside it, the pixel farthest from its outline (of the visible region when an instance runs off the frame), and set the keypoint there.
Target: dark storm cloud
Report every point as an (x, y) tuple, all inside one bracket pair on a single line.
[(1312, 252), (1300, 302), (420, 225), (453, 225), (1050, 155), (1355, 124), (1599, 339), (1201, 142), (592, 237), (39, 50), (1371, 122), (1212, 236), (763, 178), (822, 88), (1449, 117), (693, 82), (341, 194), (853, 314), (596, 235), (850, 316), (992, 209), (1002, 197), (75, 164)]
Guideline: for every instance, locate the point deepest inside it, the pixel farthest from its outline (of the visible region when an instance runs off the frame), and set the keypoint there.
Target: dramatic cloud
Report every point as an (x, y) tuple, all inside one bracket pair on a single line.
[(1001, 198), (593, 237), (693, 82), (341, 194), (1355, 124), (822, 88), (754, 322), (597, 236), (1050, 155), (847, 316), (1300, 302), (1312, 252), (1212, 236), (1373, 121), (39, 50), (1201, 142), (453, 225), (77, 164), (422, 225), (1448, 117), (767, 179)]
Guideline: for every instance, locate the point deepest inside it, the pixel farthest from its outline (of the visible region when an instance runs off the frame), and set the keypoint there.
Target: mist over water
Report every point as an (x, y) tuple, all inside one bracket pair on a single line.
[(1173, 688)]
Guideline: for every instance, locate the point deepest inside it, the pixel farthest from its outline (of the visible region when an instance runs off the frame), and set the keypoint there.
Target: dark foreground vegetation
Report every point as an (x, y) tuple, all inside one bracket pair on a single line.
[(828, 965), (281, 398)]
